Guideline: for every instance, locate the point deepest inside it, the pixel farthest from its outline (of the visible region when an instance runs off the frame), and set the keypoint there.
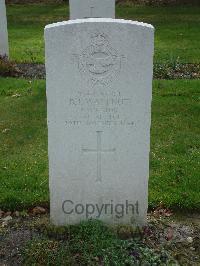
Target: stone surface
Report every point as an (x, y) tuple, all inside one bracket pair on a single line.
[(189, 239), (7, 218), (4, 50), (92, 9), (1, 213), (99, 90), (38, 210)]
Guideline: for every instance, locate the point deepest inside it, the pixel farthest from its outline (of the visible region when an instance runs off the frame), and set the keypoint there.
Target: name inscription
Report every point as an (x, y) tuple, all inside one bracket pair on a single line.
[(98, 108)]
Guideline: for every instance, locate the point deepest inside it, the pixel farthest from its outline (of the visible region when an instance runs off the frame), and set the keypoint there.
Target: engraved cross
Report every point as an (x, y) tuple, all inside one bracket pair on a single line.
[(91, 8), (99, 152), (91, 11)]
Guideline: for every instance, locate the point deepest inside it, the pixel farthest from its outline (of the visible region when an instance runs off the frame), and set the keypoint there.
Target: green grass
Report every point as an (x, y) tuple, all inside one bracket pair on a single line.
[(175, 143), (23, 143), (177, 29), (90, 243)]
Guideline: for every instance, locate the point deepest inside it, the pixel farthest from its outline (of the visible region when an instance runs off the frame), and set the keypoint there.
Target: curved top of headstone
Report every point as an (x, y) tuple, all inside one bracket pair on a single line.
[(93, 20)]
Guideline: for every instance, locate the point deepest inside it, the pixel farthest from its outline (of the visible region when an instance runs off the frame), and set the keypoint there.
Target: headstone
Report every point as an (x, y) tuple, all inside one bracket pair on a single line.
[(99, 90), (4, 50), (92, 9)]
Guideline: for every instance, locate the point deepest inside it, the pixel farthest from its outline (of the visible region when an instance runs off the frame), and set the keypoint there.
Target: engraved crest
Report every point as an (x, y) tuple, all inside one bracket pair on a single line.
[(99, 62)]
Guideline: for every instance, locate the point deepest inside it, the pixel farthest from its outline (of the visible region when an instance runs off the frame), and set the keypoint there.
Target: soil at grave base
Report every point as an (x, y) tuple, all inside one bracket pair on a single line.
[(179, 235), (161, 71)]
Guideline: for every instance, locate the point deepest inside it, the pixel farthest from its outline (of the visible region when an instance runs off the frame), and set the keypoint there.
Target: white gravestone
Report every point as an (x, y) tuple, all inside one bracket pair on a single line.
[(3, 30), (92, 9), (99, 90)]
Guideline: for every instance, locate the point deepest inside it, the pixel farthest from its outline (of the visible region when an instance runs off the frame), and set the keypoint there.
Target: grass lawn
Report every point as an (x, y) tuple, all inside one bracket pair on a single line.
[(91, 243), (175, 143), (177, 29)]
